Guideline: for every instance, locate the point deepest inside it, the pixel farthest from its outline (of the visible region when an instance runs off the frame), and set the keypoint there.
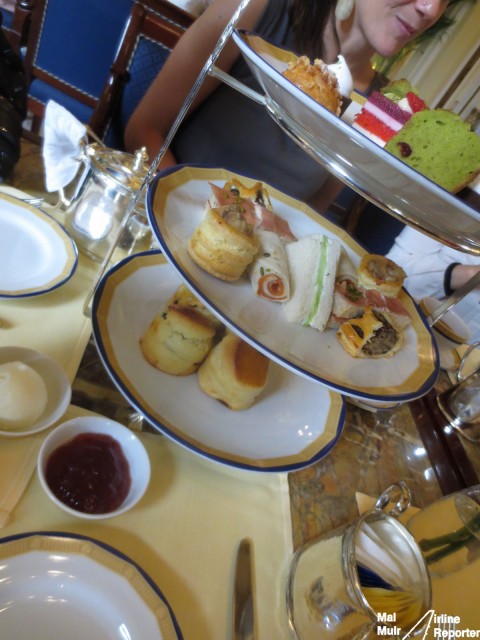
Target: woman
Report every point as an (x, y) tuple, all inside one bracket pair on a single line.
[(227, 129)]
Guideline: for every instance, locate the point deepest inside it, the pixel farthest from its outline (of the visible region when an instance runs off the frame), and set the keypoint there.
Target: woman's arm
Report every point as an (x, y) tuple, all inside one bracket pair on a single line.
[(159, 107)]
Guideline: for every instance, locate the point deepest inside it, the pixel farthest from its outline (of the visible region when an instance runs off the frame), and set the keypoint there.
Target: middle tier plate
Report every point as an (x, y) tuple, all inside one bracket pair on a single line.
[(176, 204)]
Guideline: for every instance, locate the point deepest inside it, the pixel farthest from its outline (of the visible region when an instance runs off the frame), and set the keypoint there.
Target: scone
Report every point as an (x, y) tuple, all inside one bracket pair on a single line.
[(234, 373), (223, 244), (317, 81), (381, 273), (180, 336)]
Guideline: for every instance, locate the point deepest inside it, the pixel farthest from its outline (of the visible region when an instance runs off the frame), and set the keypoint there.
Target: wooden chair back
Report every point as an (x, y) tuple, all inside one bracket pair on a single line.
[(70, 47), (152, 31)]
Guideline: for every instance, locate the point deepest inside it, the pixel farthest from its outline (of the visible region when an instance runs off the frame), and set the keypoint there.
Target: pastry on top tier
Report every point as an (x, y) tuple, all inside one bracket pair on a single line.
[(317, 81)]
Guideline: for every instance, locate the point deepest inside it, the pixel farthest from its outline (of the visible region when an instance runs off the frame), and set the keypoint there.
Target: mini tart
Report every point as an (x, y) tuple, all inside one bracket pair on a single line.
[(317, 81), (381, 273), (370, 336), (220, 248)]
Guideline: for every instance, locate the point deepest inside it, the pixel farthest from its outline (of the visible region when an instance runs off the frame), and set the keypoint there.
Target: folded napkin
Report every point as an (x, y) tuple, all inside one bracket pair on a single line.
[(62, 142), (18, 458)]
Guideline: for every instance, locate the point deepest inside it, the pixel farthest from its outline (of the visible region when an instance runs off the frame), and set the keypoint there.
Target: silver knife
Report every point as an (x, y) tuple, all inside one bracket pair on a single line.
[(243, 604)]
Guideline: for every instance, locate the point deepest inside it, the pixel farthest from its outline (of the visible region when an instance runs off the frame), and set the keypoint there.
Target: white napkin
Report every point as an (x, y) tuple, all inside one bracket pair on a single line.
[(63, 134)]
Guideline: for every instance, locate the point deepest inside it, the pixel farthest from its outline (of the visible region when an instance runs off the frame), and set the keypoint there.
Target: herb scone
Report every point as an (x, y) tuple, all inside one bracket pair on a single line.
[(441, 146), (180, 335)]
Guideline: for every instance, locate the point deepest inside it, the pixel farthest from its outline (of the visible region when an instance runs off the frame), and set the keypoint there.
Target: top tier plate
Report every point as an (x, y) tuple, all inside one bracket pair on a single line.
[(356, 160), (176, 204)]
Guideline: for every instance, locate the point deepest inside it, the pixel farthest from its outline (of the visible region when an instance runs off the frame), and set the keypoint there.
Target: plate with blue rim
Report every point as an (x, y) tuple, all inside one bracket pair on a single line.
[(176, 202), (37, 255), (292, 424), (57, 585)]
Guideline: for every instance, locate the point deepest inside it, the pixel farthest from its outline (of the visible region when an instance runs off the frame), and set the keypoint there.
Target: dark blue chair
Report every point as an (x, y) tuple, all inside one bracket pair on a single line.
[(70, 48), (153, 29)]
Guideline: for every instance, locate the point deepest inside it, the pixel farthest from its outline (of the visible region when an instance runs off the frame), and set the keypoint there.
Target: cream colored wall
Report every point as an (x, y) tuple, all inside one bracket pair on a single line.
[(434, 70)]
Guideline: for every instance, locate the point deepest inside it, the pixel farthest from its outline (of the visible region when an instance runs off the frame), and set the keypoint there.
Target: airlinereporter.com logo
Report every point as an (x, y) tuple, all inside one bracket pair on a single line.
[(431, 625)]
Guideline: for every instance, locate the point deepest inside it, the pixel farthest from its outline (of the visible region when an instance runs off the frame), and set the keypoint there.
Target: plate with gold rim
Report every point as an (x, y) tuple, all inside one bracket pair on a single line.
[(355, 159), (57, 585), (176, 206), (36, 253), (292, 424)]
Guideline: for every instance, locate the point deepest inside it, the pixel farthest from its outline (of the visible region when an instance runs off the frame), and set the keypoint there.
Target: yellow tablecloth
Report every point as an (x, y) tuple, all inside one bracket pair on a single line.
[(53, 323), (185, 533)]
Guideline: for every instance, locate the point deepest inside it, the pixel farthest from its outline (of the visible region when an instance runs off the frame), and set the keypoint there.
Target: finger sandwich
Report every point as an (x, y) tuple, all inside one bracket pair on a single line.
[(312, 263)]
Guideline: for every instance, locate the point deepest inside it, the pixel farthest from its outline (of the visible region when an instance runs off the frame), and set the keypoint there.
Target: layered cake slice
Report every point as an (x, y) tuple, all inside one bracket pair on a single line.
[(386, 112)]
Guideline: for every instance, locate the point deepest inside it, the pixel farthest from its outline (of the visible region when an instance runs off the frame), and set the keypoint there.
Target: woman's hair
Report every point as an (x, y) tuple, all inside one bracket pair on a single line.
[(308, 19)]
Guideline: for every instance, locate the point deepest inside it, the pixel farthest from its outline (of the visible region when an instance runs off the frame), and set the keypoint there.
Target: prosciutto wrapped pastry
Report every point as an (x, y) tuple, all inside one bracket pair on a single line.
[(269, 270), (255, 206)]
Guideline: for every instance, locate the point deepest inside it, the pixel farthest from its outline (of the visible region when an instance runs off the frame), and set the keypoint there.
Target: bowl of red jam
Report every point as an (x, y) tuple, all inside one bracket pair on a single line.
[(93, 467)]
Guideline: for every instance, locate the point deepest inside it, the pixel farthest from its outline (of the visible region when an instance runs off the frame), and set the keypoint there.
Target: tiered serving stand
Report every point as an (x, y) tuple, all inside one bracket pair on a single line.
[(360, 164)]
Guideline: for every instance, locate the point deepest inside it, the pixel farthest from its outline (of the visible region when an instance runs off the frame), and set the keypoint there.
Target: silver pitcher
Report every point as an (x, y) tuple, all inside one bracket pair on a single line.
[(333, 593)]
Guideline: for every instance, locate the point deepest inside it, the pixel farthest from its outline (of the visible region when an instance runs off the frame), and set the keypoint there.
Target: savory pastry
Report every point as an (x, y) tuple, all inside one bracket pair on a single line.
[(255, 205), (370, 336), (23, 396), (317, 81), (312, 263), (269, 270), (223, 244), (180, 336), (234, 373), (382, 274)]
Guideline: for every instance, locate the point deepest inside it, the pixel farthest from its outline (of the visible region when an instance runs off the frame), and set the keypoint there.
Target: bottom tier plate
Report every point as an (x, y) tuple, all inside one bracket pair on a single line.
[(294, 422)]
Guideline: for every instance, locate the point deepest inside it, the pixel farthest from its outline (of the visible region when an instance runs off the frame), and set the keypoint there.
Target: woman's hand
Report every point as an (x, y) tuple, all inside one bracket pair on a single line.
[(461, 274)]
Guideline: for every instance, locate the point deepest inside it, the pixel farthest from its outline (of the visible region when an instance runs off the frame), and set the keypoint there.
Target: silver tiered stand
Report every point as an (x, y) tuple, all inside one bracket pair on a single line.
[(318, 153)]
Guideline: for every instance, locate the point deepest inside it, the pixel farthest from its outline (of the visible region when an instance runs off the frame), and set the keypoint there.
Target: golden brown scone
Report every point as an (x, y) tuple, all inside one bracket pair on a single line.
[(180, 336), (223, 244), (317, 80), (234, 373), (381, 273), (370, 336)]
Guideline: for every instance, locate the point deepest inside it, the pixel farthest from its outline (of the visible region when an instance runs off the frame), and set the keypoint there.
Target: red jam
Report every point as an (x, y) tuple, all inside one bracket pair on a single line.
[(90, 473)]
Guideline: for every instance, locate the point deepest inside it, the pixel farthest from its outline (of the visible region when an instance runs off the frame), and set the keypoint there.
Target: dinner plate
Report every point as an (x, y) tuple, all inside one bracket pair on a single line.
[(36, 253), (291, 425), (354, 158), (176, 206), (57, 586), (59, 391)]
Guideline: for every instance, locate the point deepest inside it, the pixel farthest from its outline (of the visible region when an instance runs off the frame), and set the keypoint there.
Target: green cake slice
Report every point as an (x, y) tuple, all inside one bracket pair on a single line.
[(441, 146)]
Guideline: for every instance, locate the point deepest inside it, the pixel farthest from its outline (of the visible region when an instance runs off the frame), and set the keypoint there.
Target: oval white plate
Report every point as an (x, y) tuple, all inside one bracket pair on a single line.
[(293, 423), (58, 387), (354, 158), (176, 206), (36, 253), (57, 586)]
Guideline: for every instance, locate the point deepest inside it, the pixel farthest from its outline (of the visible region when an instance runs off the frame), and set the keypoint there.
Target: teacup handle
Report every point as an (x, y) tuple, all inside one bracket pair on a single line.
[(460, 376), (398, 492)]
